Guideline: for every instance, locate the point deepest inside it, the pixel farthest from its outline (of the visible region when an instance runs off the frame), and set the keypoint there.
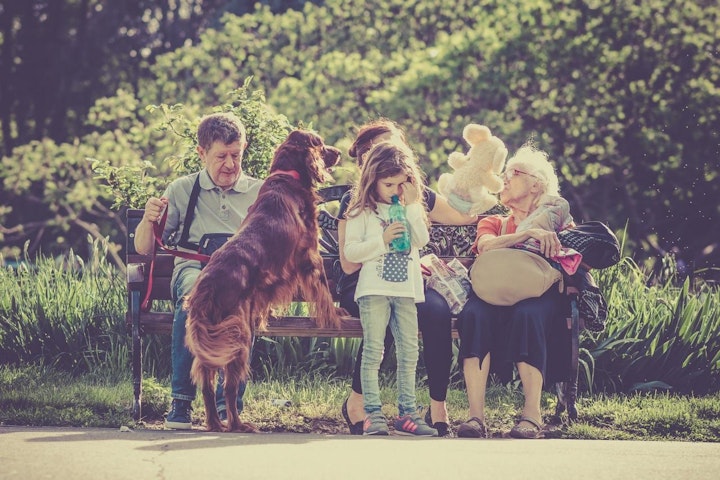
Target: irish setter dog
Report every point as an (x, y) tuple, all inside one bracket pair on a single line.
[(273, 255)]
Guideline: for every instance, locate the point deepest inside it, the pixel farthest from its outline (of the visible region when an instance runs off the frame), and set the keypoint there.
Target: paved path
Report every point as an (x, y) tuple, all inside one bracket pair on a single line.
[(82, 453)]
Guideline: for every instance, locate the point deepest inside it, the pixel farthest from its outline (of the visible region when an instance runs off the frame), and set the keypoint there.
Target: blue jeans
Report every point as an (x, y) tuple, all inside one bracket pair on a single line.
[(182, 387), (376, 312)]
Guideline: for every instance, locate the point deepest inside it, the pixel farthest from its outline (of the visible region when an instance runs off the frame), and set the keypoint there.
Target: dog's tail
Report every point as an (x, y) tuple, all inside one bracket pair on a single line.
[(216, 346)]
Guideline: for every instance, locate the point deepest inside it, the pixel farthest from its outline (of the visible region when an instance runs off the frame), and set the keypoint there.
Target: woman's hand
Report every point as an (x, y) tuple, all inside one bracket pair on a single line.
[(409, 193), (549, 241)]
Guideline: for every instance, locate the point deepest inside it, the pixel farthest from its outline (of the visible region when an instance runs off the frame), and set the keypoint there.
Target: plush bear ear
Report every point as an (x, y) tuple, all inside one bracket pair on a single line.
[(474, 133)]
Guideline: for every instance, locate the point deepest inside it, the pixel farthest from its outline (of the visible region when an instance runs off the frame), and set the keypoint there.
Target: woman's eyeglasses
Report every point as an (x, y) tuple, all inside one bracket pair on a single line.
[(510, 173)]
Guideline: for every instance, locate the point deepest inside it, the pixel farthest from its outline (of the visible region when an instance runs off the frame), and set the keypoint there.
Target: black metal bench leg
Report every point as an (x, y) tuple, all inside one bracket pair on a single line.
[(571, 395), (136, 355), (567, 391), (572, 386)]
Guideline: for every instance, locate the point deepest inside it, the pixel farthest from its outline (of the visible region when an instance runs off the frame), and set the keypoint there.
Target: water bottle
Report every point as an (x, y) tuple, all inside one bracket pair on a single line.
[(400, 244)]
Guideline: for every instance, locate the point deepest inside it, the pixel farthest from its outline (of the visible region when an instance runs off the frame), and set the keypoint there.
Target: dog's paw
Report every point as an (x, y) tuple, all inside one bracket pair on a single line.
[(215, 427), (244, 427)]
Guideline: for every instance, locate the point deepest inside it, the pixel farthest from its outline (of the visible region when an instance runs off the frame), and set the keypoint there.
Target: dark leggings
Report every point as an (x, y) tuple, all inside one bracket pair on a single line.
[(434, 324)]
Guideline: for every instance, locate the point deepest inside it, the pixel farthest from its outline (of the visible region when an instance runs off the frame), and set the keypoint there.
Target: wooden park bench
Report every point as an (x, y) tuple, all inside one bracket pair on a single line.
[(446, 241)]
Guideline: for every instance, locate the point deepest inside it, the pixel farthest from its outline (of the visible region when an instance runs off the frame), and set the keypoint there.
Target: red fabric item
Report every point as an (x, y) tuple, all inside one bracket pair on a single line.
[(158, 228)]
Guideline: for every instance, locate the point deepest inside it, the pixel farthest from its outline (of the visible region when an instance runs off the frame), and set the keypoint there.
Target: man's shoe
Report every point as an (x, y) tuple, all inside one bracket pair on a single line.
[(178, 418), (414, 425), (375, 424)]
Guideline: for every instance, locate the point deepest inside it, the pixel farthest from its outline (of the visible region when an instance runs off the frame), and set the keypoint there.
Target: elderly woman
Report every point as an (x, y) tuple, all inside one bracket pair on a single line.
[(530, 333)]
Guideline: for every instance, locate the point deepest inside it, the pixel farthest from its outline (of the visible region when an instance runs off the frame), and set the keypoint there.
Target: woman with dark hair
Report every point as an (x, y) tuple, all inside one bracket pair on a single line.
[(433, 314)]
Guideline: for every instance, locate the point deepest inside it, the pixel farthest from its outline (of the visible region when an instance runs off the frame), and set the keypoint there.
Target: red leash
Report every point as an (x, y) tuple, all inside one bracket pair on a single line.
[(158, 228)]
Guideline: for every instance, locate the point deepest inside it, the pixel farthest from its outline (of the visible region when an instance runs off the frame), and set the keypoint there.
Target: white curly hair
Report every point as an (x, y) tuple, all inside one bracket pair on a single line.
[(535, 162)]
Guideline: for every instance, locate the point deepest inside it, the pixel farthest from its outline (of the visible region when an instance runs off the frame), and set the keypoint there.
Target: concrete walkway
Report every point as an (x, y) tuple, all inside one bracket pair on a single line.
[(80, 453)]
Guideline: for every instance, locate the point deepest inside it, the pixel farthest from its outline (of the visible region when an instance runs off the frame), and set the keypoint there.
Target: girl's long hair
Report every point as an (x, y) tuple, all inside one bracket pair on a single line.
[(384, 160)]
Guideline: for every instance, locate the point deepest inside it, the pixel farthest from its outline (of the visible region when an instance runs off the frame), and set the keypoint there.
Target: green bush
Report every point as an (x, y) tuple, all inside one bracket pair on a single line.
[(657, 336)]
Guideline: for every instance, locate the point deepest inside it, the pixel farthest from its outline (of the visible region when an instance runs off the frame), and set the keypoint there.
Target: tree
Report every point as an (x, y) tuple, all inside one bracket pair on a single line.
[(58, 57)]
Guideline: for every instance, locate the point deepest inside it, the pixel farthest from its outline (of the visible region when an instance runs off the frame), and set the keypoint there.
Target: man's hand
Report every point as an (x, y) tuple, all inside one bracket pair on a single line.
[(154, 209)]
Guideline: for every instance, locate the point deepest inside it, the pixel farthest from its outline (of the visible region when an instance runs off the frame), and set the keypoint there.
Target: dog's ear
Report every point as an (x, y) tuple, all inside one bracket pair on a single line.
[(316, 165), (330, 155)]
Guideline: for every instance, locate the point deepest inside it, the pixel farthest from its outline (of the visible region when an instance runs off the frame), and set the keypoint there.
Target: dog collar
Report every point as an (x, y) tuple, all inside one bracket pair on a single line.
[(292, 173)]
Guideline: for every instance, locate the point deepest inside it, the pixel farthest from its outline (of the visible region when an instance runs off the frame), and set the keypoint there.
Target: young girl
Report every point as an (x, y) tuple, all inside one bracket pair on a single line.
[(390, 282)]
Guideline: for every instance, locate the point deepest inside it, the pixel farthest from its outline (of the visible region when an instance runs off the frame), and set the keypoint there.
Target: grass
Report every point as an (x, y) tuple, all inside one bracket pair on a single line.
[(43, 396)]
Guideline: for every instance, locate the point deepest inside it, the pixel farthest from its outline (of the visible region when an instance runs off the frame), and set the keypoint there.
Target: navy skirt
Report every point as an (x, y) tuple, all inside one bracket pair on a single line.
[(533, 331)]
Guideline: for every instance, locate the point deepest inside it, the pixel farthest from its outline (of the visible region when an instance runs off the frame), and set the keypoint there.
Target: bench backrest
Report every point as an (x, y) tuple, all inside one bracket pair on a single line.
[(446, 241)]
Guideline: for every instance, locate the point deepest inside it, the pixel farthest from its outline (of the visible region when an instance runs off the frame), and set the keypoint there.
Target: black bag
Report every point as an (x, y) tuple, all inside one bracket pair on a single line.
[(592, 306), (595, 241), (211, 242)]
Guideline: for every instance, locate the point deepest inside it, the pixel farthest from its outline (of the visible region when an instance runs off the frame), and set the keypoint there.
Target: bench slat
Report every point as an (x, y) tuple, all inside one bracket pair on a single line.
[(290, 326)]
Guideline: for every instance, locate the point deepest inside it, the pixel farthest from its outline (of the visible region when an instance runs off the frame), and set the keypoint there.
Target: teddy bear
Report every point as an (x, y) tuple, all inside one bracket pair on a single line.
[(476, 177)]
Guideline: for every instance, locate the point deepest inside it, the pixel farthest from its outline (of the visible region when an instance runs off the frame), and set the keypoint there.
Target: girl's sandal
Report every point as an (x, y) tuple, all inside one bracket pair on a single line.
[(535, 430)]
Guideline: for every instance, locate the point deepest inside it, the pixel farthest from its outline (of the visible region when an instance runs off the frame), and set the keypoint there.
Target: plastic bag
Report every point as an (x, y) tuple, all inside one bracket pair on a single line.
[(450, 280)]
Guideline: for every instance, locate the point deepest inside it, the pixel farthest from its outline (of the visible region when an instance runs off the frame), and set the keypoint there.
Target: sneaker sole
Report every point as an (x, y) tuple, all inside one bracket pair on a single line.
[(408, 434), (380, 433)]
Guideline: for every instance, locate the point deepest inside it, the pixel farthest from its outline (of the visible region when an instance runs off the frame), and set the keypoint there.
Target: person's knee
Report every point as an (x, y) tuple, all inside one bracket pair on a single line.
[(475, 308), (407, 356), (434, 307), (372, 354), (185, 281)]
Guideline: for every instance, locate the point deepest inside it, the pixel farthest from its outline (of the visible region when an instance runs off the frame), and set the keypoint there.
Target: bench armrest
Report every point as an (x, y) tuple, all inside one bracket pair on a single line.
[(136, 276)]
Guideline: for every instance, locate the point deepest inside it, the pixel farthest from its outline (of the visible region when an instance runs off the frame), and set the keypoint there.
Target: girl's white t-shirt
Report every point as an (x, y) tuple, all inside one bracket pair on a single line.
[(385, 272)]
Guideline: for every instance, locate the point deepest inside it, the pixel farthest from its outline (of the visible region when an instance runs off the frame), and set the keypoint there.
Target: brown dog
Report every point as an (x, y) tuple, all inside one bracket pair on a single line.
[(272, 256)]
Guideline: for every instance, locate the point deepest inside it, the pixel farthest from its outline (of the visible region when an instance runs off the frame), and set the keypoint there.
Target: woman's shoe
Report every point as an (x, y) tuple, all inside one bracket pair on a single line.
[(535, 430), (473, 428), (442, 428), (355, 428)]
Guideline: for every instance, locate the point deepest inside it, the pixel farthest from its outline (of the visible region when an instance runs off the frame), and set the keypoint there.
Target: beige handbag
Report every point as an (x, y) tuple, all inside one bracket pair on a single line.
[(505, 276)]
